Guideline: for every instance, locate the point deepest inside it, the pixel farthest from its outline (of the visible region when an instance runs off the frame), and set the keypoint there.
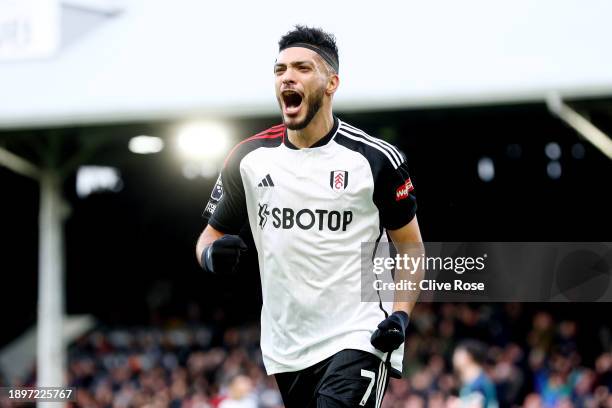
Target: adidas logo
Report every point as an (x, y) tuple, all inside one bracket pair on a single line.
[(266, 182)]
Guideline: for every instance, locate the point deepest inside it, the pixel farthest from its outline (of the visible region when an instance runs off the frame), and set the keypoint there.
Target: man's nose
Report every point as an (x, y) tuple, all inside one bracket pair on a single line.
[(288, 77)]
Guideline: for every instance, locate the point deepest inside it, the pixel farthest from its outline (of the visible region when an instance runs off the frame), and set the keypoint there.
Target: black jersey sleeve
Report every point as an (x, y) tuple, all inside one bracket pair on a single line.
[(226, 208), (394, 194)]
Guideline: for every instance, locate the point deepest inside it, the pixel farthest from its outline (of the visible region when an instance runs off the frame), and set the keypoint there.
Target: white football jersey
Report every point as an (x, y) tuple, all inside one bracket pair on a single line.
[(309, 211)]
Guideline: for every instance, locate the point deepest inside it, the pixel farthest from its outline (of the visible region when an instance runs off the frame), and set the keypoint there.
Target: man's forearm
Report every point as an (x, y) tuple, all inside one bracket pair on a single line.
[(404, 300), (399, 306), (408, 243), (208, 236)]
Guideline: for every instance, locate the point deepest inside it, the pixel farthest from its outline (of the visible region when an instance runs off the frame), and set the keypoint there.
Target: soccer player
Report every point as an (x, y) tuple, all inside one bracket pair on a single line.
[(312, 190)]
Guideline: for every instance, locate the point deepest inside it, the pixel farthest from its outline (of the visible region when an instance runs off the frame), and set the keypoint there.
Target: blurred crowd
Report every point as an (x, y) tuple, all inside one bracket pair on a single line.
[(531, 358), (179, 367), (504, 355)]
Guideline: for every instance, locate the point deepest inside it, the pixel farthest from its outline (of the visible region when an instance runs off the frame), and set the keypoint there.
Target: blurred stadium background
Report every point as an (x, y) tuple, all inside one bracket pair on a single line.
[(116, 114)]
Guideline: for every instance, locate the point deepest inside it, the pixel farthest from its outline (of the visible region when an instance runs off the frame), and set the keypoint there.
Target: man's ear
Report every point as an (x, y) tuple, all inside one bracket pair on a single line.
[(332, 84)]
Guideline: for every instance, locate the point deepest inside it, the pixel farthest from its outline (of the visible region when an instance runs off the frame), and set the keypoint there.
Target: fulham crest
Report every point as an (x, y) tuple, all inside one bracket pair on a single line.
[(338, 180)]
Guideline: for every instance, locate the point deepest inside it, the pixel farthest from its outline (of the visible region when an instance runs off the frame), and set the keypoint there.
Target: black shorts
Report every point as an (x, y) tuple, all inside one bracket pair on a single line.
[(349, 378)]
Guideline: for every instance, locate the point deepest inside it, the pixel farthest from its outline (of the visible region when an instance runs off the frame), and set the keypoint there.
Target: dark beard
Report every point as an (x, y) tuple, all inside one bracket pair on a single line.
[(312, 109)]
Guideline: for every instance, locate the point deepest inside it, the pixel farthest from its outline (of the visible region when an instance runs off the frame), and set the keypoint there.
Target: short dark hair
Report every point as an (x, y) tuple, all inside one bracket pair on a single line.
[(310, 35), (476, 349)]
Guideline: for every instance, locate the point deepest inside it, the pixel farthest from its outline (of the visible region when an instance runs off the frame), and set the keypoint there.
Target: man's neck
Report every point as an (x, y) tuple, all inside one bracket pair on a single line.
[(318, 127), (471, 373)]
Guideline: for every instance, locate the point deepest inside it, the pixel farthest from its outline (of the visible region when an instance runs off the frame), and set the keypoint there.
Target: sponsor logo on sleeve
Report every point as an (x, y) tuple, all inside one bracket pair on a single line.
[(215, 196), (217, 191), (210, 208), (404, 190)]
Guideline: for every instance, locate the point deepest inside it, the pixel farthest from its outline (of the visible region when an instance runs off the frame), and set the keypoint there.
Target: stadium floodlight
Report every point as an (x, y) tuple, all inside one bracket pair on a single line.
[(146, 144), (578, 151), (486, 169), (204, 140), (91, 179), (552, 151), (553, 169)]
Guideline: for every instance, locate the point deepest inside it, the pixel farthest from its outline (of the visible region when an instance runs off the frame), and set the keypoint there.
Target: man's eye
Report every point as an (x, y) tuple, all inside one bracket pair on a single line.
[(279, 70), (304, 69)]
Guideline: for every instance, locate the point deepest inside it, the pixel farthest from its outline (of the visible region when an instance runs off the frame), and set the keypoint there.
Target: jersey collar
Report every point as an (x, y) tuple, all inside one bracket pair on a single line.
[(321, 142)]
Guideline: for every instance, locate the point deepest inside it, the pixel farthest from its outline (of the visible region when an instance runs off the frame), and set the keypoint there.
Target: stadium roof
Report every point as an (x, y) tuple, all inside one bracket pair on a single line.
[(158, 60)]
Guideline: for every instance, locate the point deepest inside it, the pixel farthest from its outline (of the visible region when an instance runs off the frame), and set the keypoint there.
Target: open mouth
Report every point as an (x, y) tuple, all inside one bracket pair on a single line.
[(292, 102)]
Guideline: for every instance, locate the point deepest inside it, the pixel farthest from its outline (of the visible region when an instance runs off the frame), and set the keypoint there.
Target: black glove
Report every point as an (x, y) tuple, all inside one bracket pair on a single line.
[(222, 255), (391, 332)]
